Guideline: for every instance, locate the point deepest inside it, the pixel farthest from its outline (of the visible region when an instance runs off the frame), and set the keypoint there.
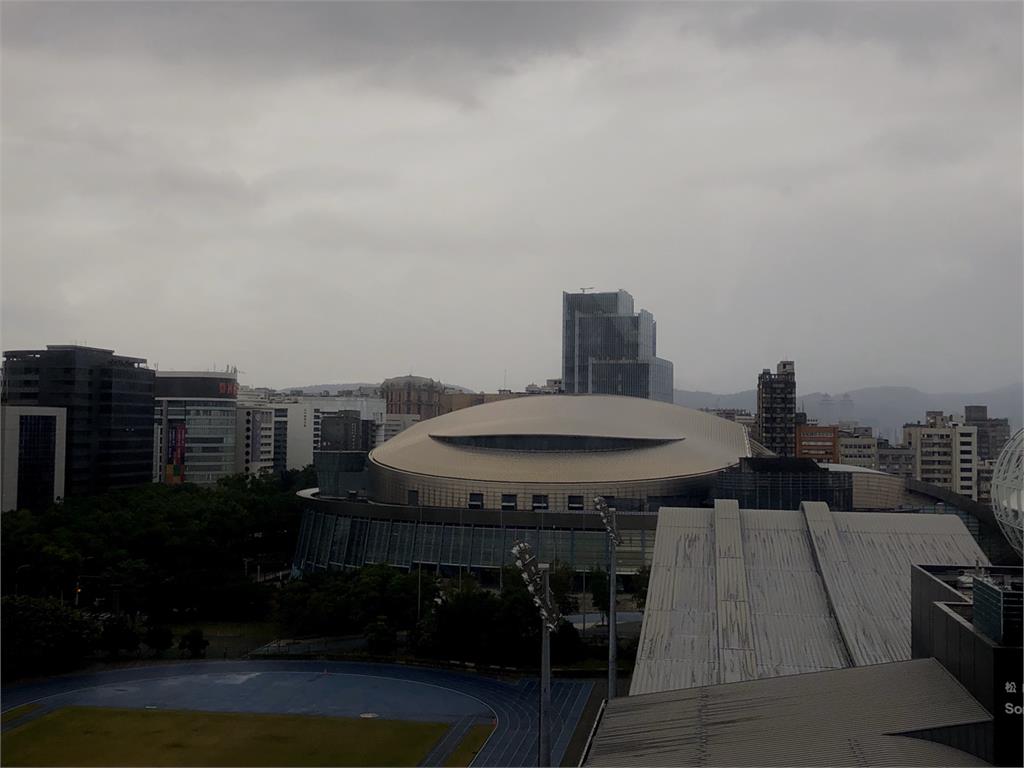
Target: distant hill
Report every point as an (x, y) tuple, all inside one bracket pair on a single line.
[(886, 409)]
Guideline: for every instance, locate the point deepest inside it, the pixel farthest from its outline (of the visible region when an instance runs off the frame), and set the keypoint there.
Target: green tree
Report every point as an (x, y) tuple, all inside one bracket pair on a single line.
[(158, 638), (641, 583), (597, 581), (41, 636), (561, 580), (193, 643), (381, 639), (117, 636)]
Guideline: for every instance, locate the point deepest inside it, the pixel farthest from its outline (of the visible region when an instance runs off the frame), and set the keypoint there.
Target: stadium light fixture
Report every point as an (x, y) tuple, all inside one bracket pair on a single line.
[(538, 585)]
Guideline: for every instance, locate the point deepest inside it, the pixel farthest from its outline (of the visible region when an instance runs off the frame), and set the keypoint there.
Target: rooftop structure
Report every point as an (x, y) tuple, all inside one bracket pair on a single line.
[(742, 594), (556, 446), (877, 715)]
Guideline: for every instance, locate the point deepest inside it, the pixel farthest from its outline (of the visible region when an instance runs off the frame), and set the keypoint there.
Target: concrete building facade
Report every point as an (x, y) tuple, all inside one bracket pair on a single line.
[(413, 395), (858, 450), (945, 453), (775, 421)]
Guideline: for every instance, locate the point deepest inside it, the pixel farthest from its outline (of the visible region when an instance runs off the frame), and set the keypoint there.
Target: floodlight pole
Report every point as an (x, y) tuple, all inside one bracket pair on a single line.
[(608, 519), (612, 629), (544, 734)]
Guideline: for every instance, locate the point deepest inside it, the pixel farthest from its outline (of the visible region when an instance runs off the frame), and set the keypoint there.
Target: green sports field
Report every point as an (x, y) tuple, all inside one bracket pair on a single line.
[(90, 736)]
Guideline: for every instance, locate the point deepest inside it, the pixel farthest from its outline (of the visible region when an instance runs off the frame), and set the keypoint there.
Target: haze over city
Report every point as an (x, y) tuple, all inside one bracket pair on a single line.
[(345, 192)]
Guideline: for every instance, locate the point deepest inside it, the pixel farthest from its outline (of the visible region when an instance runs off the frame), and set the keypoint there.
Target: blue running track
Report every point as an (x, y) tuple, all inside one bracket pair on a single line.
[(332, 688)]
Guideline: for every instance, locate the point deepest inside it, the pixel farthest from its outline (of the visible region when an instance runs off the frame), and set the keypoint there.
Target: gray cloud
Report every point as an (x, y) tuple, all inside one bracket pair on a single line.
[(349, 191)]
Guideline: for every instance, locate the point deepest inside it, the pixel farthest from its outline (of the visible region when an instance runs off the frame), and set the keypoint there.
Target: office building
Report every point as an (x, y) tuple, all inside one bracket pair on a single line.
[(293, 433), (993, 434), (945, 453), (609, 349), (254, 439), (895, 460), (775, 421), (346, 431), (108, 404), (858, 448), (33, 456), (392, 424), (413, 395), (821, 443), (194, 426)]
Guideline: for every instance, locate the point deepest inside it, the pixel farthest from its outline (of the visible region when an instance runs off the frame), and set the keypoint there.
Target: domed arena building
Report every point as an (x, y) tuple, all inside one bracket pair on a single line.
[(457, 490)]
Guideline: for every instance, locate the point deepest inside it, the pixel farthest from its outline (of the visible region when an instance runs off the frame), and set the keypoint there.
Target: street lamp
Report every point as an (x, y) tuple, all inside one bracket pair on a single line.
[(608, 518), (535, 575)]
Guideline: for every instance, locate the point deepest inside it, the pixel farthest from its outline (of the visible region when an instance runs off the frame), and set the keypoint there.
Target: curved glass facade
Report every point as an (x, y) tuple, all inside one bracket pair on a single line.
[(336, 535)]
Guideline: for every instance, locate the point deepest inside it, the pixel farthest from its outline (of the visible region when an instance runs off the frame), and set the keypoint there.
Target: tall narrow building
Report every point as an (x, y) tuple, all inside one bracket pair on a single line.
[(775, 422), (609, 349), (108, 405)]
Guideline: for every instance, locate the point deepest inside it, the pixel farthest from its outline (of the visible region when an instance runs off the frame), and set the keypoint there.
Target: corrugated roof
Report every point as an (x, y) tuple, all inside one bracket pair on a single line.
[(696, 443), (839, 717), (744, 594)]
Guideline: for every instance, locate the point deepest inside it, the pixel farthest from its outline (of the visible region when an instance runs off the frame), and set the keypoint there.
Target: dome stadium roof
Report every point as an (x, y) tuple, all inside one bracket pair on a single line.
[(567, 439)]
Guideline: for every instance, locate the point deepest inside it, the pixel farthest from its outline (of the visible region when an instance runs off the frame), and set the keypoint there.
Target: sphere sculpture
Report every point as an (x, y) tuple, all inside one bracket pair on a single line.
[(1007, 484)]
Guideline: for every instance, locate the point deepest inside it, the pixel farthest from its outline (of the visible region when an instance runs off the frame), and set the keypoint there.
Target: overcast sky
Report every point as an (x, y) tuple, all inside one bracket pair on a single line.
[(340, 192)]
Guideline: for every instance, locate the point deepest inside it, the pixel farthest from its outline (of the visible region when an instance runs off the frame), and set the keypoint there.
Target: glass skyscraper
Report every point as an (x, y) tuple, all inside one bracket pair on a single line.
[(609, 349)]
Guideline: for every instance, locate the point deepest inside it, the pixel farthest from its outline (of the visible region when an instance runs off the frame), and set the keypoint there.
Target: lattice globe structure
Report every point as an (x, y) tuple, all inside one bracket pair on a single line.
[(1007, 484)]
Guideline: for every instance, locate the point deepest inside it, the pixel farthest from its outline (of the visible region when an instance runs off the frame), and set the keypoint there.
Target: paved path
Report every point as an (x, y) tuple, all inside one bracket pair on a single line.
[(330, 688)]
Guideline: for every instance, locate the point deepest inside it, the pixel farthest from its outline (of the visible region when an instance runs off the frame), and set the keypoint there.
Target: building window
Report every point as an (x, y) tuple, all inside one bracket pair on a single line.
[(575, 503), (476, 501), (508, 502), (611, 502), (540, 502), (413, 498)]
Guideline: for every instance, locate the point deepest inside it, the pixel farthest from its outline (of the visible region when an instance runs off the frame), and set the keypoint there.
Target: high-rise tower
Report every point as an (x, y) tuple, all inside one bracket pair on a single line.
[(608, 349)]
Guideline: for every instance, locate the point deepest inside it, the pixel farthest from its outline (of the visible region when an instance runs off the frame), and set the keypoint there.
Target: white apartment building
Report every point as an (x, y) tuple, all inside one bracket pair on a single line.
[(945, 453)]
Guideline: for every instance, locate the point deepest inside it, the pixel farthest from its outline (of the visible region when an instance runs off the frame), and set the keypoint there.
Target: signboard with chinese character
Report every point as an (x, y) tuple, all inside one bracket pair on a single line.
[(174, 466)]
